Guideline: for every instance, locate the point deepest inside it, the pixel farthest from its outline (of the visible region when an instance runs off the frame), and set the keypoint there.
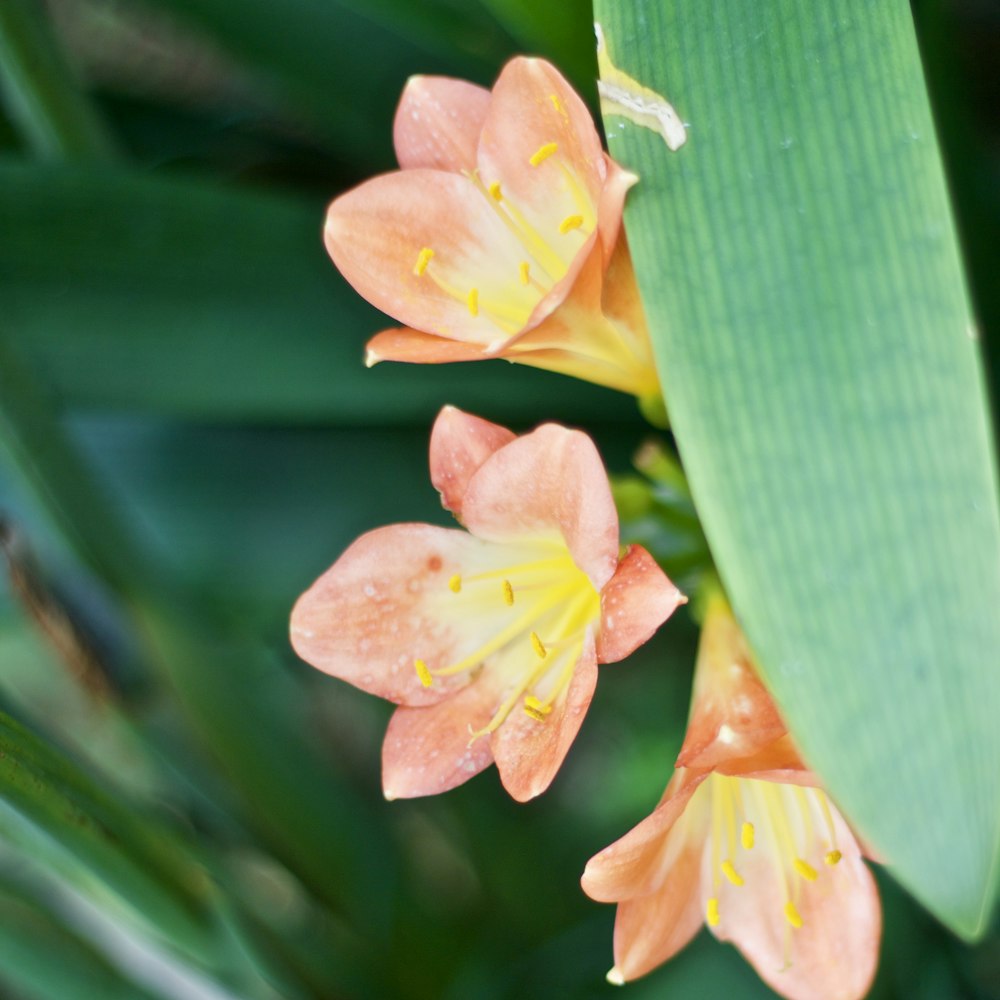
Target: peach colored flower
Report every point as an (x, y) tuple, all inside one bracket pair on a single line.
[(489, 638), (500, 235), (744, 840)]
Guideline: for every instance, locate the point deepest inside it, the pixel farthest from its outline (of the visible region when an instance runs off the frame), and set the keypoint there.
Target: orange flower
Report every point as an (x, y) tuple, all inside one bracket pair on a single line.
[(500, 235), (488, 639), (744, 840)]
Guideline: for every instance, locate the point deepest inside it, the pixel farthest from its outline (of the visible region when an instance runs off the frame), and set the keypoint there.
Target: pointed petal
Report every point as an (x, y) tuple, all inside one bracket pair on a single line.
[(416, 347), (612, 204), (460, 443), (653, 928), (778, 762), (533, 106), (835, 951), (426, 750), (377, 232), (384, 603), (548, 485), (732, 715), (529, 753), (637, 600), (438, 122), (638, 863)]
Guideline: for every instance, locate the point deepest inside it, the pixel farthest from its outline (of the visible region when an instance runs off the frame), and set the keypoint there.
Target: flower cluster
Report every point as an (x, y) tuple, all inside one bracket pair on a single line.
[(500, 236)]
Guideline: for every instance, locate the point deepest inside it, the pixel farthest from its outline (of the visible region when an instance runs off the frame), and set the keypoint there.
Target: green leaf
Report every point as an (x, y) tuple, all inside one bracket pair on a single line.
[(44, 100), (144, 864), (799, 266), (174, 296)]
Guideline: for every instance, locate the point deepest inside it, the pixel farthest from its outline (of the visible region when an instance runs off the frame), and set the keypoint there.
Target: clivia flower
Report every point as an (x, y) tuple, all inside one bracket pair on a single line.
[(745, 841), (488, 639), (499, 237)]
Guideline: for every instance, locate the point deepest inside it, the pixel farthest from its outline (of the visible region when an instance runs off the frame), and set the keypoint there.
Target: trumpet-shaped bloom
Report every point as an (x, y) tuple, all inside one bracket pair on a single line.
[(488, 639), (500, 235), (744, 841)]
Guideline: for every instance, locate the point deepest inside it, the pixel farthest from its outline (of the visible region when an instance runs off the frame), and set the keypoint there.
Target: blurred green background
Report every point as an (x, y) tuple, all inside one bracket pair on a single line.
[(188, 438)]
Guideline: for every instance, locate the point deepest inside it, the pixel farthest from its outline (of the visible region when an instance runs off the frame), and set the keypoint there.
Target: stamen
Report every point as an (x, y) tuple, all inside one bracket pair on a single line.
[(731, 873), (555, 102), (423, 259), (542, 153), (537, 709), (832, 857), (746, 836), (792, 915), (570, 222), (523, 267), (472, 301), (539, 646), (806, 870), (712, 912), (423, 672), (455, 584), (508, 593), (495, 192)]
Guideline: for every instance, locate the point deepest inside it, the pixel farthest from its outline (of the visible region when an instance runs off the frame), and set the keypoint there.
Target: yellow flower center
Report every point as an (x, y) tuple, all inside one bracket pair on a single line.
[(548, 247), (538, 610), (793, 824)]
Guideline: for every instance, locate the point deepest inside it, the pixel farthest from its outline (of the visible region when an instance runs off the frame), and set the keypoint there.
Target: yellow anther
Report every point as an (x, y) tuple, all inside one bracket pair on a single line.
[(570, 222), (806, 870), (832, 857), (746, 836), (508, 593), (423, 259), (539, 646), (525, 274), (495, 193), (731, 873), (542, 153), (423, 673), (555, 102), (472, 301), (712, 912), (792, 915), (538, 710), (455, 584)]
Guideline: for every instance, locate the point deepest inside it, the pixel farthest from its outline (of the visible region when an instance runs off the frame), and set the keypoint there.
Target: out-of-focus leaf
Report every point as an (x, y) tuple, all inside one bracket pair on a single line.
[(44, 100), (342, 65), (144, 864), (198, 301), (798, 262)]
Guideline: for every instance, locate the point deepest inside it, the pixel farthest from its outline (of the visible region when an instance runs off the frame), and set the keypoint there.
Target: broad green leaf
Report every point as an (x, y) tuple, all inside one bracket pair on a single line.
[(798, 262), (44, 100), (174, 296)]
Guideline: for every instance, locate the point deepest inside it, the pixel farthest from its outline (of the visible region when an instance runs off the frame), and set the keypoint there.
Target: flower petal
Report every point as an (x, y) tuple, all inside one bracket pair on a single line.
[(612, 204), (383, 604), (548, 485), (378, 232), (460, 443), (835, 951), (532, 107), (638, 863), (637, 600), (427, 750), (438, 122), (732, 715), (416, 347), (653, 928), (528, 753)]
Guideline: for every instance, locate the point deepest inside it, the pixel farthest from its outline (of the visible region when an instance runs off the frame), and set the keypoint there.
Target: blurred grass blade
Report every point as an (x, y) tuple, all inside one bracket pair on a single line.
[(43, 99), (799, 264), (144, 865)]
